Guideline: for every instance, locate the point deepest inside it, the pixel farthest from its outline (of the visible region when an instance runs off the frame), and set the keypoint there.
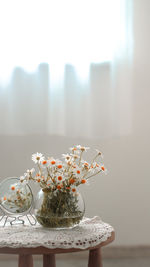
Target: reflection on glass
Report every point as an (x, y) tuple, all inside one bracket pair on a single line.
[(15, 197)]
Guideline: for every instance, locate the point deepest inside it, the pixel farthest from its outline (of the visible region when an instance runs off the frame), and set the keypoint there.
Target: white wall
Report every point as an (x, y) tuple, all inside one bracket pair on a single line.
[(123, 196)]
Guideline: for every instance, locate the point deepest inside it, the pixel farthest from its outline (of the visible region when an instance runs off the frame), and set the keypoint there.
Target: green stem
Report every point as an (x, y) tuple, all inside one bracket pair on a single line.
[(58, 204)]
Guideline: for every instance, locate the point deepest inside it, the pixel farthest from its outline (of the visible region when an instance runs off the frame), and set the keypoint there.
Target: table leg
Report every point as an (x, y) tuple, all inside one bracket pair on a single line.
[(95, 258), (49, 260), (25, 260)]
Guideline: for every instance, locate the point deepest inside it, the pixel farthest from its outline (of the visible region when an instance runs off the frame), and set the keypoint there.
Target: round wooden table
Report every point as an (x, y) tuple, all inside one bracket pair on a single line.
[(25, 241), (26, 260)]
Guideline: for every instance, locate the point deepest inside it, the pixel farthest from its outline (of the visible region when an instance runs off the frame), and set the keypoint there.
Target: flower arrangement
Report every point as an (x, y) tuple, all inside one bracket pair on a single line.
[(59, 180)]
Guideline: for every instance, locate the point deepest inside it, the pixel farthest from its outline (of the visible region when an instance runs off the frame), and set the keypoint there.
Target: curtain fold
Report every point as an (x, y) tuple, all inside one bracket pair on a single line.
[(79, 98)]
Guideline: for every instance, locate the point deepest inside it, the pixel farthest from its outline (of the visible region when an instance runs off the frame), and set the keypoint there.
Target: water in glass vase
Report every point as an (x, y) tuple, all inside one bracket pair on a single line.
[(59, 209)]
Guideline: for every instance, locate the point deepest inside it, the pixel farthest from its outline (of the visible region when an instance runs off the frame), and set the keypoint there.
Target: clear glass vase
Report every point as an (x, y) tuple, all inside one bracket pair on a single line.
[(15, 198), (59, 209)]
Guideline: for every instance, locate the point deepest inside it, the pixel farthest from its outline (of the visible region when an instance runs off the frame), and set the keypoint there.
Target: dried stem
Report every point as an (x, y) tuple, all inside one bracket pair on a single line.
[(93, 174)]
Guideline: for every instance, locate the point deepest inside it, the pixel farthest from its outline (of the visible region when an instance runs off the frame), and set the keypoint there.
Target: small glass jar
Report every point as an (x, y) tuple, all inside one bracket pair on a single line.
[(59, 209), (15, 198)]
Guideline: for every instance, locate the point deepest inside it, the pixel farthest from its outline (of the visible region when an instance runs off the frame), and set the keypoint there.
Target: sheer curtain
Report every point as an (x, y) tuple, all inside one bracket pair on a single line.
[(65, 67)]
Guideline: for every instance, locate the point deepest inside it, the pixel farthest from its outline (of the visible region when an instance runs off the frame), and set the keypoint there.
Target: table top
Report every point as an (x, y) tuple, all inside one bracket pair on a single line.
[(91, 232)]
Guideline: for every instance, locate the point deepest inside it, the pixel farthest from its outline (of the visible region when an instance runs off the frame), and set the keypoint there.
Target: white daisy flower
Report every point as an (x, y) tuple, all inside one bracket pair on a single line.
[(74, 149), (38, 157), (103, 169), (60, 178), (60, 165), (38, 179), (96, 166), (99, 153), (75, 156), (82, 148), (67, 157), (77, 172), (85, 164), (59, 186), (45, 163), (99, 167), (30, 172), (74, 166), (73, 189), (69, 163), (83, 181), (52, 162)]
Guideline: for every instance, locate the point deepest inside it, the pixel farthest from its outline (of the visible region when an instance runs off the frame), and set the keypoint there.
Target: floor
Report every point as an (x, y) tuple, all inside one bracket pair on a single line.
[(62, 261)]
